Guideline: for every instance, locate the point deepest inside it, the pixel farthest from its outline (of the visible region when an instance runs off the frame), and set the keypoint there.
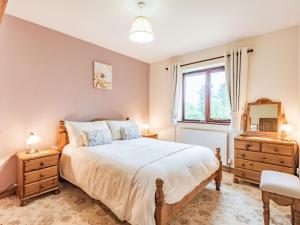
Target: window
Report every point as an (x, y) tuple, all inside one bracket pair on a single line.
[(205, 96)]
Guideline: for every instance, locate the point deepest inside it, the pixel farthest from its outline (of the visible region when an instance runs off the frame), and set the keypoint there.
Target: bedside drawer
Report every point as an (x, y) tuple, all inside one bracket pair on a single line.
[(247, 174), (265, 158), (247, 145), (40, 174), (259, 167), (278, 149), (39, 163), (40, 186)]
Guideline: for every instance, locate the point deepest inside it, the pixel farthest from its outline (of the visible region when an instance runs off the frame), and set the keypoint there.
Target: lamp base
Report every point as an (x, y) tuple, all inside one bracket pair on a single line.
[(146, 132), (31, 151), (283, 135)]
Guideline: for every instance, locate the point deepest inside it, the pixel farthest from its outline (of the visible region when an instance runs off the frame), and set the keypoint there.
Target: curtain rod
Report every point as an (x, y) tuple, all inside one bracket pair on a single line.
[(205, 60)]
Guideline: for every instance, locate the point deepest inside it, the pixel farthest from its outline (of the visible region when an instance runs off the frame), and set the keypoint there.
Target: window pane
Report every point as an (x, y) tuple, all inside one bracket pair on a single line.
[(219, 100), (194, 102)]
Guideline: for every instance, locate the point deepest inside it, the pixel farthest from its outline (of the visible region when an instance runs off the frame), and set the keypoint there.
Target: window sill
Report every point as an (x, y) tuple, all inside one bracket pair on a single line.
[(204, 122)]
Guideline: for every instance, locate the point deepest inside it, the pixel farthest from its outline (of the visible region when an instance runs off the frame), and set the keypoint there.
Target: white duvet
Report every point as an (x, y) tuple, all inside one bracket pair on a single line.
[(122, 174)]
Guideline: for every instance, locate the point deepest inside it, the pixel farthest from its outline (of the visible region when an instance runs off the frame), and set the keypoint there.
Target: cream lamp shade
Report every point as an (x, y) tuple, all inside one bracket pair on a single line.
[(141, 29), (286, 127), (146, 126), (32, 140), (285, 130)]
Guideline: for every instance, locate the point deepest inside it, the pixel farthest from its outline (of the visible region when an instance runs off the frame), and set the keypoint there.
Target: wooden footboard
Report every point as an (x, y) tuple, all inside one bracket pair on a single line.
[(165, 212)]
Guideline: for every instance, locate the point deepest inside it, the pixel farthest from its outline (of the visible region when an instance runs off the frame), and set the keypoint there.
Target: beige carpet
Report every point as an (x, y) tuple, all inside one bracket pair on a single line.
[(235, 204)]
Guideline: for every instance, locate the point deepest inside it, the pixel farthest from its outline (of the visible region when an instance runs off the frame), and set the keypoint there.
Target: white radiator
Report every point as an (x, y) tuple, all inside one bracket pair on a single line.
[(210, 139)]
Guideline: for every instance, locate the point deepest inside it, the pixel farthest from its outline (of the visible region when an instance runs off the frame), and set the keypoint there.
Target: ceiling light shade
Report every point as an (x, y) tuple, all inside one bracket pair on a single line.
[(141, 30)]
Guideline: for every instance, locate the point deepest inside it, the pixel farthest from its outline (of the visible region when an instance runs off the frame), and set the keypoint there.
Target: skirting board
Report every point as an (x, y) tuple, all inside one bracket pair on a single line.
[(228, 169), (8, 191)]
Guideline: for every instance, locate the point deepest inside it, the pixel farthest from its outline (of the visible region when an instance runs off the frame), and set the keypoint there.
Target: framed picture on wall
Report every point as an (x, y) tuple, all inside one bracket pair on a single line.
[(102, 76)]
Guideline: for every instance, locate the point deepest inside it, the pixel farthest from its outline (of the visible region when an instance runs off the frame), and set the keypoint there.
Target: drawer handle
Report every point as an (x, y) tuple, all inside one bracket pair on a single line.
[(251, 164), (41, 163), (243, 155), (275, 149), (248, 146), (281, 161), (42, 175), (42, 186), (243, 165)]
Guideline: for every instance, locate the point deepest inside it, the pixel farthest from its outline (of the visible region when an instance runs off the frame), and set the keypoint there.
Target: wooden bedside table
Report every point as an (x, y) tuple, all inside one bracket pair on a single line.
[(150, 135), (37, 174)]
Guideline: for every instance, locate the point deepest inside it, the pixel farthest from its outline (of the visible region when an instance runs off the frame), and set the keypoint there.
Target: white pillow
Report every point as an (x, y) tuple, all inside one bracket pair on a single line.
[(115, 127), (75, 130)]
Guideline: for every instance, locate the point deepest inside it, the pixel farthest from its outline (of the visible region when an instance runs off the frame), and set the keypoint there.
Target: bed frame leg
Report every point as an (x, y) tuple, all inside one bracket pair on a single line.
[(218, 177), (160, 217)]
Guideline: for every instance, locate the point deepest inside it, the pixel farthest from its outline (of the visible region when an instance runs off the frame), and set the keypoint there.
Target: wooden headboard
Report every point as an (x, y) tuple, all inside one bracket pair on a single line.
[(63, 138), (3, 4)]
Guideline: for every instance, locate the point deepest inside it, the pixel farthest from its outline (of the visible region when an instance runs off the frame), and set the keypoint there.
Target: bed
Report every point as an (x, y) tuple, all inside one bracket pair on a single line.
[(143, 181)]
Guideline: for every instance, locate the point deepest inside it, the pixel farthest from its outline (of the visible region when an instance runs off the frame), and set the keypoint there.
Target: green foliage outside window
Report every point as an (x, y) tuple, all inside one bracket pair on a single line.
[(195, 98), (219, 105)]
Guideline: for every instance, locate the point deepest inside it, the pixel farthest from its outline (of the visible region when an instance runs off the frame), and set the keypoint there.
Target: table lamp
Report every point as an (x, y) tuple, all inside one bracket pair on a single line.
[(146, 128), (32, 140), (285, 129)]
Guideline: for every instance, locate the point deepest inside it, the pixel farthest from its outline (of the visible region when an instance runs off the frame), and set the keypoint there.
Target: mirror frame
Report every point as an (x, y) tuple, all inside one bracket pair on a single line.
[(246, 118)]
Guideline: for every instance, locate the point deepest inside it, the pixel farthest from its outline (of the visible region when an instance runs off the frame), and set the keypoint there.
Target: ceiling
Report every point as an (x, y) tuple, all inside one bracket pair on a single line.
[(179, 26)]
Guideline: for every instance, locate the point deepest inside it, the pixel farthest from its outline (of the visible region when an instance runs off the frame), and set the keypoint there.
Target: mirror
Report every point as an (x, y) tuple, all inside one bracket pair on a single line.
[(263, 116)]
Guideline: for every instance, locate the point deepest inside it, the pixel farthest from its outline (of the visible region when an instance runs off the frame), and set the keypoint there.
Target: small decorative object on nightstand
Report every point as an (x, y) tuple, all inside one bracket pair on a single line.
[(150, 135), (37, 173)]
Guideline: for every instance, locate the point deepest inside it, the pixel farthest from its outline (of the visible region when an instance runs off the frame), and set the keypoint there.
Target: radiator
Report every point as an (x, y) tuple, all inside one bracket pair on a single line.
[(210, 139)]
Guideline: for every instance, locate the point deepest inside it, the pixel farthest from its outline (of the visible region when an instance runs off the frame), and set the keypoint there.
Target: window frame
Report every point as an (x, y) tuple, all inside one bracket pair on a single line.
[(208, 119)]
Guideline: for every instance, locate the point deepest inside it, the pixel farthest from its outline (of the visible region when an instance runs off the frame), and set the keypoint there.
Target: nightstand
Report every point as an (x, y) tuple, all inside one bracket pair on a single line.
[(37, 174), (150, 135)]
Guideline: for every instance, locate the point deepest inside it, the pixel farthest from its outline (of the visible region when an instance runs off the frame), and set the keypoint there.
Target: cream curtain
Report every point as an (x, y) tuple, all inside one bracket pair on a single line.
[(176, 87), (236, 66)]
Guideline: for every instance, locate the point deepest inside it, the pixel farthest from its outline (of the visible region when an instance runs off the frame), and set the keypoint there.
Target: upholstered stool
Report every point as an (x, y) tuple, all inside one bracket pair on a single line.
[(283, 189)]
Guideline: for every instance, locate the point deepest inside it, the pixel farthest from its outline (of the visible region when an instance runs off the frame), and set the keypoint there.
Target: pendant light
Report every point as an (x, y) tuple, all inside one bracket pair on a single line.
[(141, 30)]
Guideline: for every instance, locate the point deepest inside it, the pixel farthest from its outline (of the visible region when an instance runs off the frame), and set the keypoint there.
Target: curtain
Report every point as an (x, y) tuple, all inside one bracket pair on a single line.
[(236, 67), (176, 87)]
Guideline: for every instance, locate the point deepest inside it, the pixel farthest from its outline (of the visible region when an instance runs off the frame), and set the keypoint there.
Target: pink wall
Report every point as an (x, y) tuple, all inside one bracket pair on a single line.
[(46, 76)]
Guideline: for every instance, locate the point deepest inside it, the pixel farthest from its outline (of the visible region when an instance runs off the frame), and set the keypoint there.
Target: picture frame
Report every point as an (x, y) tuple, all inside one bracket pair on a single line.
[(102, 76)]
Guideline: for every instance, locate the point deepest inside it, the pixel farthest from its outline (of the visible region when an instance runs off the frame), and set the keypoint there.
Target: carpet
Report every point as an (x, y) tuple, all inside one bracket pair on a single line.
[(236, 204)]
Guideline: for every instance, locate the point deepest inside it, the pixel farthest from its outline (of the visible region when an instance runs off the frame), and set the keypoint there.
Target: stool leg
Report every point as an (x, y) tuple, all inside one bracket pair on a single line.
[(266, 202), (292, 214), (296, 208)]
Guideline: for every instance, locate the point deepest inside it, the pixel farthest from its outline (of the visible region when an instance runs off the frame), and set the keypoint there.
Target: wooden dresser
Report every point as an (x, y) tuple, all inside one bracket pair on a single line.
[(254, 154), (37, 174)]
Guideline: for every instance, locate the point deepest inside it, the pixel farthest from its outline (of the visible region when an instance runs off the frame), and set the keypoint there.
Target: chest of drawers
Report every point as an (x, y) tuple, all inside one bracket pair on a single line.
[(37, 174), (253, 155)]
